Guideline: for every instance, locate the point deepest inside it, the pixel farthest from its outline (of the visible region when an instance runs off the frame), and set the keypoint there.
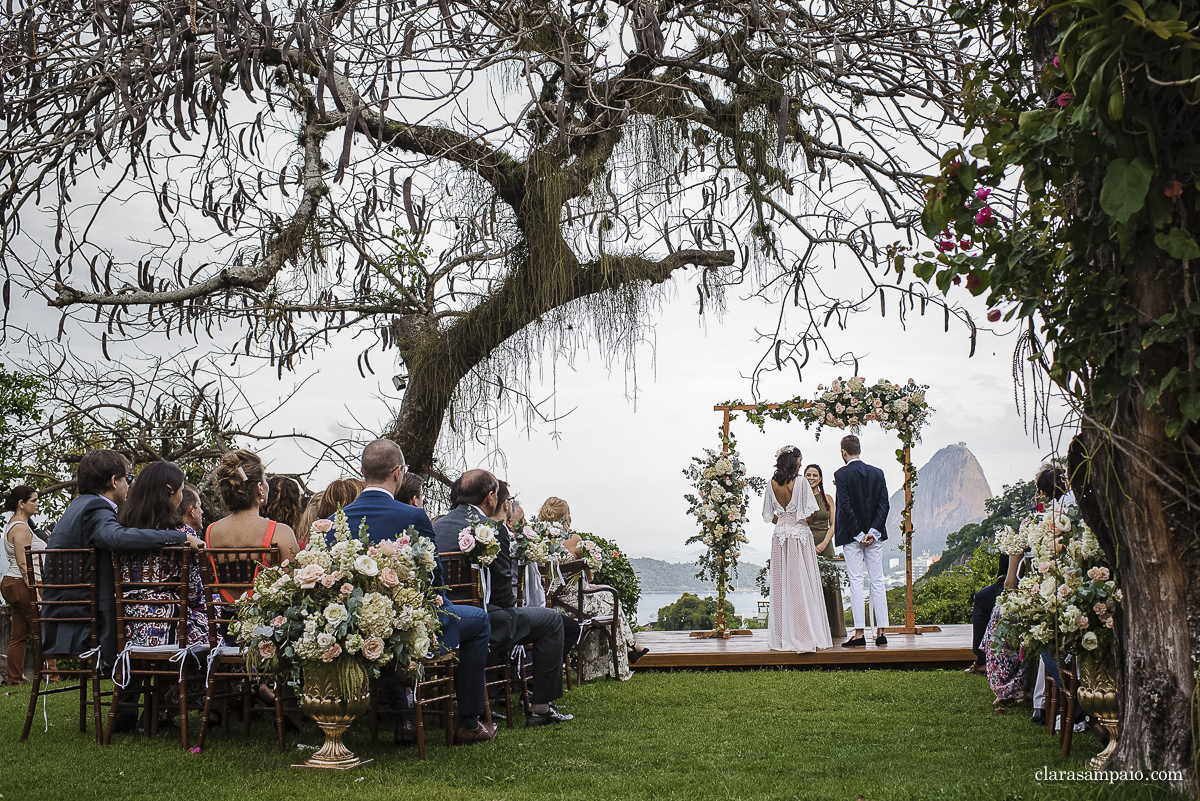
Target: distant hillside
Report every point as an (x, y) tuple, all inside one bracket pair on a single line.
[(659, 576), (951, 489)]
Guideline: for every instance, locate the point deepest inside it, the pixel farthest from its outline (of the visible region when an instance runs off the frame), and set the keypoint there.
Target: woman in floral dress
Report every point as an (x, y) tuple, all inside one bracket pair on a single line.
[(595, 656)]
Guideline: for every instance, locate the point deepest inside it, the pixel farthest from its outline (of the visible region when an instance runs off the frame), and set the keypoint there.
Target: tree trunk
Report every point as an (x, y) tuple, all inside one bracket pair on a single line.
[(1128, 482)]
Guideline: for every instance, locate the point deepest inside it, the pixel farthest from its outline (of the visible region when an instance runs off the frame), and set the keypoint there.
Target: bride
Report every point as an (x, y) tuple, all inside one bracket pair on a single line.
[(797, 620)]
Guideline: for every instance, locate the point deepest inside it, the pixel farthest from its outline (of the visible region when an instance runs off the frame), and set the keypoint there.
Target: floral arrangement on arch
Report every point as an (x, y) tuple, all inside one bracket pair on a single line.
[(1064, 603), (851, 403), (719, 506), (359, 604), (540, 543)]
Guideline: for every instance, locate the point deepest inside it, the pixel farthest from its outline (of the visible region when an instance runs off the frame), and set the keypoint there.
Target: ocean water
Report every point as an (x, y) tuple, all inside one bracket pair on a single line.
[(744, 602)]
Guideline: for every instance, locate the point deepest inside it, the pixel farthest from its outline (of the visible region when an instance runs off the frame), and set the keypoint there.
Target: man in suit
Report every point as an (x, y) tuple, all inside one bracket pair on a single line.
[(90, 521), (463, 627), (862, 510), (478, 501)]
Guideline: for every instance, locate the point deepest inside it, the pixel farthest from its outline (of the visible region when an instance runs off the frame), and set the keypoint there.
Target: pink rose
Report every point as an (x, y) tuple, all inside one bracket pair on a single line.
[(1100, 608), (322, 526), (404, 540), (334, 651), (266, 649), (1098, 574), (1044, 568), (1064, 591), (373, 648), (389, 579), (347, 589), (1109, 623), (372, 551), (466, 541), (308, 576), (327, 581), (1082, 622), (279, 621), (387, 548), (529, 533)]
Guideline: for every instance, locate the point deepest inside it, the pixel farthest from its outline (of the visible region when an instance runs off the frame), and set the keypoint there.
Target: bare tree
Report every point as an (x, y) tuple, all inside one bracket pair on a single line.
[(469, 182)]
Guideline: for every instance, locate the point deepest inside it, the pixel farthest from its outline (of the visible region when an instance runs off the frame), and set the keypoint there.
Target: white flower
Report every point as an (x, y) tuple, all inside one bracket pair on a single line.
[(366, 565), (325, 640), (336, 613), (485, 534), (1090, 641)]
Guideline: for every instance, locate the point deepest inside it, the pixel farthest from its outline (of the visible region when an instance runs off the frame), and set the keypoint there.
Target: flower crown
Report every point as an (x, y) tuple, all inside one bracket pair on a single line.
[(786, 449)]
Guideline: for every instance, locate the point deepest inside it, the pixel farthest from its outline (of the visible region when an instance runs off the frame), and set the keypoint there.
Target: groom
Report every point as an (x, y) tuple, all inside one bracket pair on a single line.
[(862, 510)]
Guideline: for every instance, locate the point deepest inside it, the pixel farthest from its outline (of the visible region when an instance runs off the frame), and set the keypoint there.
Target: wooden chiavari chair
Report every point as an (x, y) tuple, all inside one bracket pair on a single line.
[(69, 573), (229, 573), (571, 596), (155, 593)]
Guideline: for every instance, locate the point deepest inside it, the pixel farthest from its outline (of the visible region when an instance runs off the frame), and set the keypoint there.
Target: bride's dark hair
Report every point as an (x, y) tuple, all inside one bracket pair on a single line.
[(787, 466)]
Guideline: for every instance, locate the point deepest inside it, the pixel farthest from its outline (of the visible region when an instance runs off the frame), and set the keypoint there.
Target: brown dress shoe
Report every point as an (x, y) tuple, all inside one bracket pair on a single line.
[(482, 733)]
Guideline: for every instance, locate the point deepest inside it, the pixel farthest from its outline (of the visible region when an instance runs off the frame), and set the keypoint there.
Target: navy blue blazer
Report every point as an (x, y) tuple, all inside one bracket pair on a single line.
[(862, 502), (388, 519)]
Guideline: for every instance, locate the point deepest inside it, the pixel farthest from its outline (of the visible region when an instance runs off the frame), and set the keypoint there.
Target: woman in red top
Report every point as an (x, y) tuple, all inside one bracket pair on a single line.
[(242, 484)]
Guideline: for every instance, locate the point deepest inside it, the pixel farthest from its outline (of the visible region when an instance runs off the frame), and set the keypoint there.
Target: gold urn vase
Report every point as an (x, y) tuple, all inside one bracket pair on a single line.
[(1098, 695), (324, 699)]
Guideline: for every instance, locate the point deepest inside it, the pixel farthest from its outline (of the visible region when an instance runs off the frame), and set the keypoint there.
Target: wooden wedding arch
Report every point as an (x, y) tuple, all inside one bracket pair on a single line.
[(909, 626)]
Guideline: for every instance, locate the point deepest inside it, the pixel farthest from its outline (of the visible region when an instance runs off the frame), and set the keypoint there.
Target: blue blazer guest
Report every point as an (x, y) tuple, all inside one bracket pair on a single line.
[(466, 628)]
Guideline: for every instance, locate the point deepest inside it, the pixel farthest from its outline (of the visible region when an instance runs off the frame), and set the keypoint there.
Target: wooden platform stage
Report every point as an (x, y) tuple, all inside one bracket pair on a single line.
[(949, 648)]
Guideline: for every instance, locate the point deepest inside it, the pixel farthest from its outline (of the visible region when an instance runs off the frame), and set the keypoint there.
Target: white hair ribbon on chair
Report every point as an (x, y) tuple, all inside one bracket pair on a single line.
[(487, 586), (557, 571), (122, 667), (535, 594)]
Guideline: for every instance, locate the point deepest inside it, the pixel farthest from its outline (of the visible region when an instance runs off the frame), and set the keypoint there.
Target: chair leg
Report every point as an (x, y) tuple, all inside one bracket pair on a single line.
[(208, 694), (35, 691), (1051, 704), (112, 715), (420, 721), (1068, 724), (612, 638), (279, 717), (82, 704), (96, 706)]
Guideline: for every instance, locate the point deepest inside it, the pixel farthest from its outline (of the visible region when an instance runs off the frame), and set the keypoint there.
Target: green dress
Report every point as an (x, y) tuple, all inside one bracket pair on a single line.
[(818, 521)]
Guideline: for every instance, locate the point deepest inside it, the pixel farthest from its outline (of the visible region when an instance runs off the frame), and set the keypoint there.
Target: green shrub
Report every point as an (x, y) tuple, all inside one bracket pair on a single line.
[(691, 613)]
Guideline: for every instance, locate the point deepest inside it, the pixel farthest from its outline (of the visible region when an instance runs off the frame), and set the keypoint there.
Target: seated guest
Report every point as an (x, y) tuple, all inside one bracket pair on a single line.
[(477, 497), (463, 627), (412, 490), (595, 658), (16, 586), (190, 511), (983, 602), (283, 503), (90, 521), (242, 484), (339, 494)]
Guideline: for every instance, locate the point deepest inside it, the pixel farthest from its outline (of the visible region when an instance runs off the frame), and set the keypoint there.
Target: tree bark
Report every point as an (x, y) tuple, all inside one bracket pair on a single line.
[(1128, 480)]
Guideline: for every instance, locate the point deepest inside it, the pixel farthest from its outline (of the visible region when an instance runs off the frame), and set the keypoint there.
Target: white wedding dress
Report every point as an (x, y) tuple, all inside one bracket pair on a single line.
[(797, 620)]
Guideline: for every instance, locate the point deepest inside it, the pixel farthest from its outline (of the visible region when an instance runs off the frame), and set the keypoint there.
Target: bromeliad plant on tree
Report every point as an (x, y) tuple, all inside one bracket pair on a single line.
[(719, 506)]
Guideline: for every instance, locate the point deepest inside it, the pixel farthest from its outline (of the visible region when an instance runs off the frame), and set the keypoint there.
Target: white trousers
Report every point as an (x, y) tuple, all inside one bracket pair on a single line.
[(872, 558)]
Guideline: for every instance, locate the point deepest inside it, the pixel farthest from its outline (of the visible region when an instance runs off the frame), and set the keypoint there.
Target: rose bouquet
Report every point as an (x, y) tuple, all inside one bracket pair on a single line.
[(1064, 602), (360, 604), (593, 556), (851, 403), (479, 543), (539, 543)]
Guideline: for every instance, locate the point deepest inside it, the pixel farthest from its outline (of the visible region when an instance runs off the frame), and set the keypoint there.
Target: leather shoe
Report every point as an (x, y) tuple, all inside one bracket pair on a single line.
[(1039, 716), (881, 640), (550, 718), (855, 642), (480, 734)]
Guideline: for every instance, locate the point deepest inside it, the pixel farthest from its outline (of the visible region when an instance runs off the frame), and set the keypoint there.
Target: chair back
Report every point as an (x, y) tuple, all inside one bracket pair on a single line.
[(64, 592), (229, 573), (464, 584), (152, 597)]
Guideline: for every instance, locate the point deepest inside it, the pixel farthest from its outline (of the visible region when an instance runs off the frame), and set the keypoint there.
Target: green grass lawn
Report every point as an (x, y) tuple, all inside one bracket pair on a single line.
[(748, 735)]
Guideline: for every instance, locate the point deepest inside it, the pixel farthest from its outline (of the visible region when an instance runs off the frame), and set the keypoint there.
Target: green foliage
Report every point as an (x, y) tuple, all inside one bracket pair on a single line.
[(619, 574), (1092, 106), (18, 407), (691, 613), (947, 598)]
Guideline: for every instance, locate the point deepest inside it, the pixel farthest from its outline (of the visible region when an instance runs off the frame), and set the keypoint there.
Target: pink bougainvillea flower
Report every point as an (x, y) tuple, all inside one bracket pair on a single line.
[(973, 281), (1065, 99), (984, 216), (957, 280), (1057, 63), (964, 244), (994, 316), (983, 192), (1173, 189), (945, 245)]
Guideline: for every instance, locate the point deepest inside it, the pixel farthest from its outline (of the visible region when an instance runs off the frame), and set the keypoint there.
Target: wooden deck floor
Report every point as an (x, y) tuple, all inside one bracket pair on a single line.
[(949, 648)]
